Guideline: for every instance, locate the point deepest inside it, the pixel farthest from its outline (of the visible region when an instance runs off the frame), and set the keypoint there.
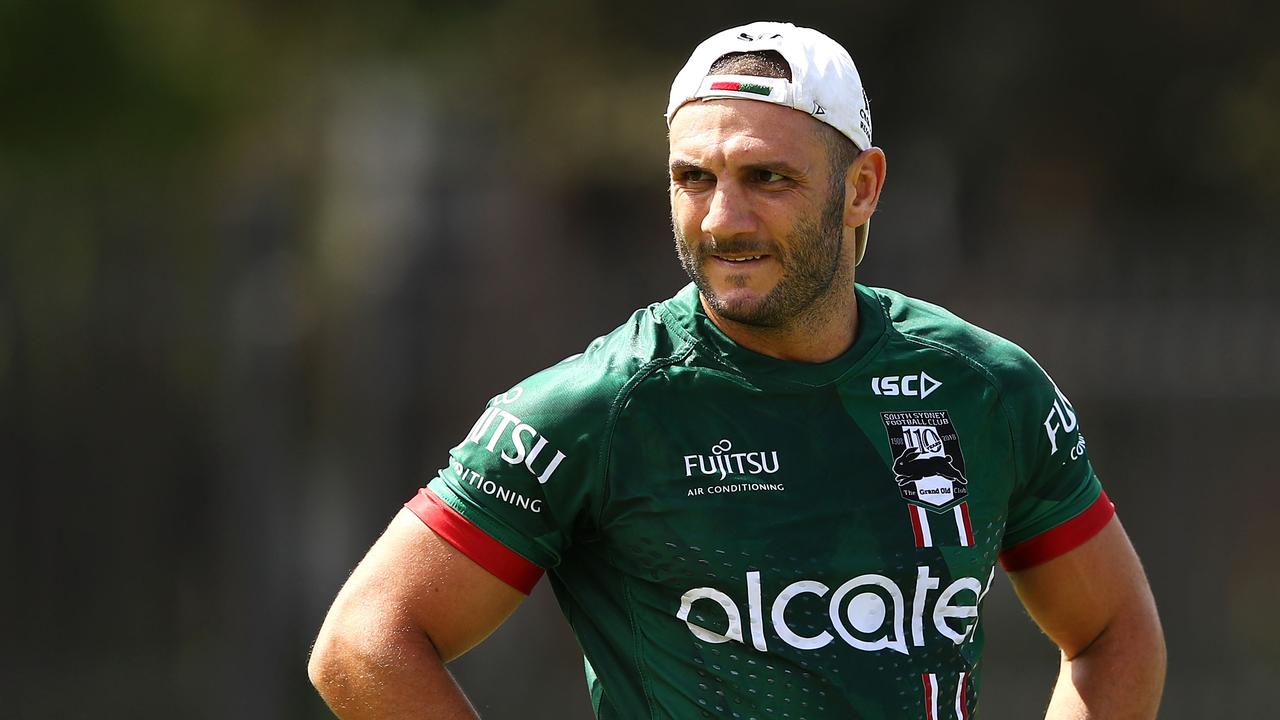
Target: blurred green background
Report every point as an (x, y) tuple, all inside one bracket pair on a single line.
[(262, 263)]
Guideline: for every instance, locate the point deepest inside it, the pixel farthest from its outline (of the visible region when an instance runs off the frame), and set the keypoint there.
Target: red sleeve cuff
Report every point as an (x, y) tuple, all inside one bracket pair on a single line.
[(1061, 539), (501, 561)]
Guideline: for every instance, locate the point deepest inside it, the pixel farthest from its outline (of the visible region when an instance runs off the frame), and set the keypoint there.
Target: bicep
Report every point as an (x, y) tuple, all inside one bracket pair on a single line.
[(412, 580), (1079, 595)]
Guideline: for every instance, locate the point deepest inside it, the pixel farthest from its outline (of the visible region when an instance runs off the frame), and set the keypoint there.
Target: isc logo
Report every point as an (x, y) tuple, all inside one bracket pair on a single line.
[(909, 385)]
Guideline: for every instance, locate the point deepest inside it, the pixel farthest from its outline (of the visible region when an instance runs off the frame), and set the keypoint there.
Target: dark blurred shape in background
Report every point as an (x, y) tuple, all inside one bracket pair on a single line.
[(262, 263)]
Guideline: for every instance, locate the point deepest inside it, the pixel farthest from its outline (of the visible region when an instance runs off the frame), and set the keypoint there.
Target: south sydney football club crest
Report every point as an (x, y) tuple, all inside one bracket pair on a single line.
[(928, 467)]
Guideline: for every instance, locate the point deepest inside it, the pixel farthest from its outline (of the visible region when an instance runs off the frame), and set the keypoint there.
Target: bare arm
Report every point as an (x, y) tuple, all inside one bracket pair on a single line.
[(413, 604), (1094, 602)]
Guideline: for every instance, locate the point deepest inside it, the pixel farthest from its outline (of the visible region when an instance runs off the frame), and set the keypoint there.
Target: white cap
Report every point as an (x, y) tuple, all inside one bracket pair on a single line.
[(824, 82)]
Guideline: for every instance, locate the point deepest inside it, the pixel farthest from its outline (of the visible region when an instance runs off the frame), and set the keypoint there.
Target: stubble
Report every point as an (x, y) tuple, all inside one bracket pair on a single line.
[(813, 271)]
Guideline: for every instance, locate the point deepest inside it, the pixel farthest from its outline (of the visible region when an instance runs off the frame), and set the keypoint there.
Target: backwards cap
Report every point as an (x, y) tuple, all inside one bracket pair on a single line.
[(824, 83)]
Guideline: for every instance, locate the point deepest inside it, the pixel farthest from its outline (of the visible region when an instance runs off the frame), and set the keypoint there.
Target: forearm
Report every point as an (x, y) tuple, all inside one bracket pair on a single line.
[(394, 674), (1119, 676)]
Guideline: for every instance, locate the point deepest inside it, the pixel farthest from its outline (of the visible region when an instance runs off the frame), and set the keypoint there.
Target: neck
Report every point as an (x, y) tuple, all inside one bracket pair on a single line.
[(821, 335)]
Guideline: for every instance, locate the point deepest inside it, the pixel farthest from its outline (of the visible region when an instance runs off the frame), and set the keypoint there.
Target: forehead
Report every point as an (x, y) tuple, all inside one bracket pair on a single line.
[(742, 131)]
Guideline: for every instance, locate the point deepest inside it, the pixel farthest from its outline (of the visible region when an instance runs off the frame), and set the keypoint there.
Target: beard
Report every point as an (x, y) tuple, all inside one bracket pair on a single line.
[(812, 263)]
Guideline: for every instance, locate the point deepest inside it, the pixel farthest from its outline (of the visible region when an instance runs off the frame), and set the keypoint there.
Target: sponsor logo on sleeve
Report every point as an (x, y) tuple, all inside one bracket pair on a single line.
[(495, 489), (1061, 418), (1078, 450), (504, 434)]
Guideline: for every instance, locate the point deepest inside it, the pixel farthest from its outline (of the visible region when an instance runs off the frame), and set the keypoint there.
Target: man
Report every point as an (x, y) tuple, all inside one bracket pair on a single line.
[(776, 494)]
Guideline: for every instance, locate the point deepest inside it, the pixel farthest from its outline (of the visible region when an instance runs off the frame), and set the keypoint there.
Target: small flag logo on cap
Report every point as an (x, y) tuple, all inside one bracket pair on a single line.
[(743, 87)]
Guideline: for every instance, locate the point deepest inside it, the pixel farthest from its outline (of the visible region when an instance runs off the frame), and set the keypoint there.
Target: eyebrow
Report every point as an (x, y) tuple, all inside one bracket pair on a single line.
[(779, 166), (678, 166)]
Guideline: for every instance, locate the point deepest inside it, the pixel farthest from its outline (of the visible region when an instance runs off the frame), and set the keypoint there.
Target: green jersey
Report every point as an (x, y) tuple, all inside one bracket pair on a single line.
[(736, 536)]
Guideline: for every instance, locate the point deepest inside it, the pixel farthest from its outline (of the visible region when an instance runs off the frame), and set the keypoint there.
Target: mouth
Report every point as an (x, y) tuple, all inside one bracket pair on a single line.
[(740, 260)]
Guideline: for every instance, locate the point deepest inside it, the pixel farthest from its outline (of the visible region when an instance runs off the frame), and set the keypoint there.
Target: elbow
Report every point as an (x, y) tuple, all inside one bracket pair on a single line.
[(1133, 649), (1159, 652), (319, 667), (340, 665), (355, 656), (325, 667), (1148, 634)]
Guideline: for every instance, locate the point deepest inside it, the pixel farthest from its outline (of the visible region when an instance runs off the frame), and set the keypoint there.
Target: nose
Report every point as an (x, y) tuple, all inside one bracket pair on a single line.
[(729, 213)]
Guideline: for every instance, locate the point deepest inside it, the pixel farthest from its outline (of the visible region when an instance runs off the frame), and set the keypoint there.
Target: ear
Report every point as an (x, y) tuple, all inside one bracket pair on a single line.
[(862, 184)]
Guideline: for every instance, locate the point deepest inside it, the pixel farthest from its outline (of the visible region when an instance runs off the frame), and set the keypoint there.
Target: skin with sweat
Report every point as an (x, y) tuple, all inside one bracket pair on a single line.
[(764, 229)]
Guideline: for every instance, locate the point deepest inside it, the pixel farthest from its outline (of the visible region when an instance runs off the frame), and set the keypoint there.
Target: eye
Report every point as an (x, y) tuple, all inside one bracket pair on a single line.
[(694, 176), (768, 176)]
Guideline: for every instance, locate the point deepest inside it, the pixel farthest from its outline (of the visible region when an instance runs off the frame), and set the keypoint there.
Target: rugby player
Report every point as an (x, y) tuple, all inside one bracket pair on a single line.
[(778, 493)]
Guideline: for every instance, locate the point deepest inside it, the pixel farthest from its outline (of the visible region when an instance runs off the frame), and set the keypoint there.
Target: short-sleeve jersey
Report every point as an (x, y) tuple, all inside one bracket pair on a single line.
[(736, 536)]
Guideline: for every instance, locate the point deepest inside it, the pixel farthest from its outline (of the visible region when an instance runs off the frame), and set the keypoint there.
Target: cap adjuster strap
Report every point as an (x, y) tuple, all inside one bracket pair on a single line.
[(747, 87)]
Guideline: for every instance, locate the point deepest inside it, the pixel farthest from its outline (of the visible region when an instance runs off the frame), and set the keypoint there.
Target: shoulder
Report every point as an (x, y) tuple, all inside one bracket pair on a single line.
[(592, 381), (559, 420), (1003, 362)]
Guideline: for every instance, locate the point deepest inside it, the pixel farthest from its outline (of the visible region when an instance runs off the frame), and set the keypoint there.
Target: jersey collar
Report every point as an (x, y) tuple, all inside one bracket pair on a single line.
[(689, 315)]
